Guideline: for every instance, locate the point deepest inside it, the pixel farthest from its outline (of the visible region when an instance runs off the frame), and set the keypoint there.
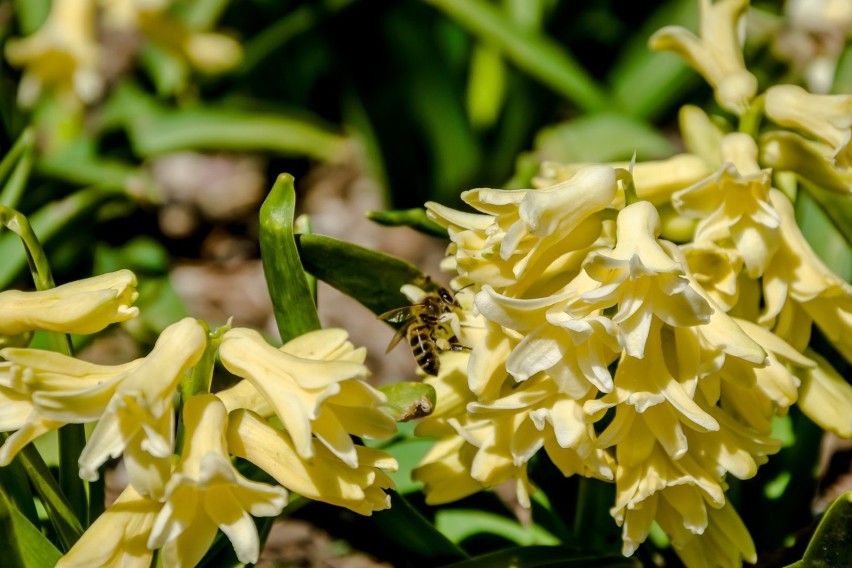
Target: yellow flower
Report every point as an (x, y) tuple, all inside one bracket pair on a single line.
[(314, 384), (206, 493), (825, 117), (62, 54), (29, 371), (717, 54), (725, 541), (523, 232), (797, 276), (733, 204), (655, 180), (716, 269), (642, 279), (826, 398), (324, 477), (80, 307), (134, 409), (445, 470), (118, 537)]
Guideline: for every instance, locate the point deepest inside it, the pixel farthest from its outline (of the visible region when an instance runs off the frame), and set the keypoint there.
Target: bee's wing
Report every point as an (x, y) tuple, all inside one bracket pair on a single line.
[(397, 337), (397, 315)]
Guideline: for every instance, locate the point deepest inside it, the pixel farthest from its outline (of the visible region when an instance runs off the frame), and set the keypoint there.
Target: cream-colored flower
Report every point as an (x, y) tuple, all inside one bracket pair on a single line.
[(134, 409), (826, 397), (324, 477), (724, 543), (524, 235), (206, 493), (784, 150), (28, 371), (314, 384), (79, 307), (717, 54), (716, 269), (641, 278), (655, 180), (797, 276), (733, 204), (118, 537), (825, 117), (61, 55)]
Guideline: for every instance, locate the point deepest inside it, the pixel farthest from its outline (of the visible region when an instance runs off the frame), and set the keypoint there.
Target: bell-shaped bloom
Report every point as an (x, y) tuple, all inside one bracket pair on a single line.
[(324, 477), (655, 180), (783, 150), (118, 537), (733, 204), (642, 279), (206, 493), (314, 384), (716, 269), (826, 397), (62, 55), (717, 54), (574, 351), (445, 470), (524, 232), (796, 275), (825, 117), (26, 372), (134, 409), (79, 307), (725, 542)]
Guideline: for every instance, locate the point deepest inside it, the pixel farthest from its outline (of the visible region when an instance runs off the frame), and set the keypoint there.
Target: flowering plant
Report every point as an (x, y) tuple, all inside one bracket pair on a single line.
[(639, 350)]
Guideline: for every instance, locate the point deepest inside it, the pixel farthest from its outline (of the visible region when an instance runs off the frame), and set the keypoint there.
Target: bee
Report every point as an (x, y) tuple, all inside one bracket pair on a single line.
[(422, 326)]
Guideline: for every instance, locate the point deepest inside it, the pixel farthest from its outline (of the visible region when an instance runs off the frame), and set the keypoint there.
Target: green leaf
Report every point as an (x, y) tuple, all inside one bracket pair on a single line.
[(405, 526), (408, 454), (292, 298), (24, 545), (536, 54), (825, 219), (550, 556), (408, 400), (646, 83), (602, 138), (459, 524), (832, 541), (373, 278), (155, 130), (415, 218)]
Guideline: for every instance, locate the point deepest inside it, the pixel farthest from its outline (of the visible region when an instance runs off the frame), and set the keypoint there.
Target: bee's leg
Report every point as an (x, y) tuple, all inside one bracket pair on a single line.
[(455, 344)]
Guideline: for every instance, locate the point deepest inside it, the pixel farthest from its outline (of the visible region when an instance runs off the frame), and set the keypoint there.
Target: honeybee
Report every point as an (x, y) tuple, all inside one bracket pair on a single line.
[(426, 332)]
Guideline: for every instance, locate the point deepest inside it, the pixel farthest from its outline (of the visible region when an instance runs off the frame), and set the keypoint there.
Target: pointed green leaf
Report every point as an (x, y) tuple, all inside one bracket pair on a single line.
[(459, 524), (405, 526), (408, 400), (832, 541), (24, 546), (373, 278), (292, 298)]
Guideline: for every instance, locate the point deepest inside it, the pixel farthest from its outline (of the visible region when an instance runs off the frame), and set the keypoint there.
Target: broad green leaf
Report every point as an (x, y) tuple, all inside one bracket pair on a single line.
[(826, 223), (602, 138), (405, 526), (533, 53), (373, 278), (831, 544), (549, 556), (292, 298), (24, 546), (408, 454), (415, 218), (408, 400), (460, 524)]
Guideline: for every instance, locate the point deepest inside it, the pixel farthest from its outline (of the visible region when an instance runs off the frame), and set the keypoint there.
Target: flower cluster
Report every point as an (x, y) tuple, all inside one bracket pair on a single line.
[(631, 358), (293, 416)]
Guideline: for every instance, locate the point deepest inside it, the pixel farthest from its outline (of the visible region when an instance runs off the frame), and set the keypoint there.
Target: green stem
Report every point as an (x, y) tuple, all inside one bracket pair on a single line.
[(11, 194), (534, 53), (24, 143), (72, 437), (626, 179), (201, 377)]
